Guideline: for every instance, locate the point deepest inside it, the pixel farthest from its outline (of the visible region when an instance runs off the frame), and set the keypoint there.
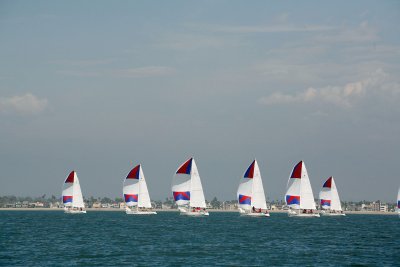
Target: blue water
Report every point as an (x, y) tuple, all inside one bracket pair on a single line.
[(52, 238)]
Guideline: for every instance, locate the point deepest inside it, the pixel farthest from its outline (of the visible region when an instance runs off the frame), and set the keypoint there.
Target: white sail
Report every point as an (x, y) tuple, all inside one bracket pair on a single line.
[(299, 193), (135, 189), (186, 186), (196, 191), (258, 189), (398, 201), (329, 196), (335, 205), (72, 193), (251, 191), (144, 197)]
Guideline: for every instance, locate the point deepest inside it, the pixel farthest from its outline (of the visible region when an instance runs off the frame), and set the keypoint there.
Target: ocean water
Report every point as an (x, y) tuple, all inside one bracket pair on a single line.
[(52, 238)]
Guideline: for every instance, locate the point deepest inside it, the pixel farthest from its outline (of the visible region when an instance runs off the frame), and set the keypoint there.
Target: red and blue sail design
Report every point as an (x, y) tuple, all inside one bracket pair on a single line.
[(181, 195), (131, 197), (134, 173), (398, 204), (325, 202), (296, 173), (70, 178), (186, 167), (67, 199), (328, 183), (292, 200), (244, 200), (250, 171)]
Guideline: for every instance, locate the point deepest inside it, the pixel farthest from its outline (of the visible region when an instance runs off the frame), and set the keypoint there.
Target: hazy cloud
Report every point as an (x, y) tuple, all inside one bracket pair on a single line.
[(272, 28), (190, 41), (345, 96), (144, 72), (26, 104), (82, 62), (362, 33), (151, 71)]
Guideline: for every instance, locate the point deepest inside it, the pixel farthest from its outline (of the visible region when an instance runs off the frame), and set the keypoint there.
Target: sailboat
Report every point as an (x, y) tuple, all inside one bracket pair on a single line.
[(299, 196), (250, 194), (188, 191), (72, 195), (135, 192), (398, 202), (330, 201)]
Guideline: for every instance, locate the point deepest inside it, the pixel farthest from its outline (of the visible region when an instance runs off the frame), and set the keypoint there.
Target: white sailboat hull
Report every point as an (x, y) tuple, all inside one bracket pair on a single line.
[(195, 214), (134, 212), (324, 213), (73, 211), (243, 212), (292, 213), (139, 212), (199, 213)]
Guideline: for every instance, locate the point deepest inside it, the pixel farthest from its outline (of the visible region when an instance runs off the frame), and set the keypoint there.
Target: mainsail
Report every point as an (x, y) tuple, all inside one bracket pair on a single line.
[(186, 186), (135, 189), (299, 193), (329, 196), (251, 191), (71, 193)]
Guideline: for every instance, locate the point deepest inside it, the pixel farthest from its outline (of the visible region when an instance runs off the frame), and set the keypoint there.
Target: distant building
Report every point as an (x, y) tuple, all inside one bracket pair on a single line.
[(383, 207), (374, 206), (96, 205), (229, 206)]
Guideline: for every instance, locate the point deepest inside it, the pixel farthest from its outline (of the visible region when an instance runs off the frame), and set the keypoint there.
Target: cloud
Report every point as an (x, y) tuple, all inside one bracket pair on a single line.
[(192, 41), (343, 96), (26, 104), (82, 62), (151, 71), (144, 72), (361, 34), (273, 28)]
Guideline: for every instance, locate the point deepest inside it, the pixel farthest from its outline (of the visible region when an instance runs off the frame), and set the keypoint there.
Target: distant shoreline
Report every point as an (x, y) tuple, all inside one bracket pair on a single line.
[(175, 210)]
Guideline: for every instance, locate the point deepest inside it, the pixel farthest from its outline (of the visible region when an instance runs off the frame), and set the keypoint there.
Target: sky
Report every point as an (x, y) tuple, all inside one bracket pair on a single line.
[(100, 86)]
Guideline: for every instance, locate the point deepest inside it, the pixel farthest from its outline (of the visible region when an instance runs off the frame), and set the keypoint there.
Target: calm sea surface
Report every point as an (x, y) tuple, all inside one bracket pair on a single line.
[(52, 238)]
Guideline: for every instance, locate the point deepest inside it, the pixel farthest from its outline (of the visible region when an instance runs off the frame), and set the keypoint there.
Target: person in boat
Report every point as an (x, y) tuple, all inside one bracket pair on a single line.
[(254, 209), (193, 209), (304, 211), (259, 211)]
